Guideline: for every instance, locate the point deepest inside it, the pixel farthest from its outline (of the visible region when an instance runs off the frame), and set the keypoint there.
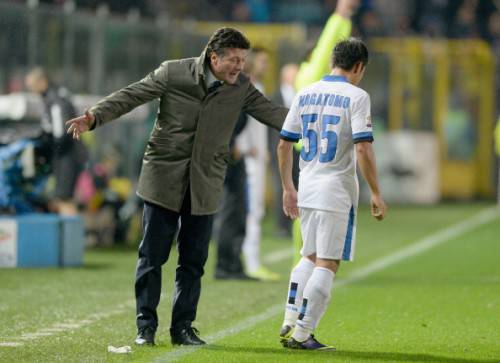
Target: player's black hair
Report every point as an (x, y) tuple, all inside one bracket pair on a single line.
[(224, 38), (349, 52)]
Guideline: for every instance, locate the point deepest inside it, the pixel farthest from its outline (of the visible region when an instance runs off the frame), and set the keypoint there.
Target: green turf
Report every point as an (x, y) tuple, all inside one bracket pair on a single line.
[(440, 306)]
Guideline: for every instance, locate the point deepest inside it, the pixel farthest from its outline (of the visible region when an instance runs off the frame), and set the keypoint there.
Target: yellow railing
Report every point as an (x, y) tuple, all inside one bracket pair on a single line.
[(459, 74)]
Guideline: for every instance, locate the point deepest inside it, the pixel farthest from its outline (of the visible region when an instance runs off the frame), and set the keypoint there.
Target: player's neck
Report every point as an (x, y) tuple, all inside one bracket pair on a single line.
[(342, 73)]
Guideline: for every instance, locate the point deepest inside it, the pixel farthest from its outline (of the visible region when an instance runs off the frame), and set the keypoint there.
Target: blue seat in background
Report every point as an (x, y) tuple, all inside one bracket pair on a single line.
[(41, 240)]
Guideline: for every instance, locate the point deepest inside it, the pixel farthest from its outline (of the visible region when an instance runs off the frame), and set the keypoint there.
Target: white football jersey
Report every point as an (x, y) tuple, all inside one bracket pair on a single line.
[(329, 116)]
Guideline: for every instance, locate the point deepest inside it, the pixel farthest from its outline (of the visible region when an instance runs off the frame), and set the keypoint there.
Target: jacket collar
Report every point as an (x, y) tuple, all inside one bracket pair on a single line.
[(200, 64)]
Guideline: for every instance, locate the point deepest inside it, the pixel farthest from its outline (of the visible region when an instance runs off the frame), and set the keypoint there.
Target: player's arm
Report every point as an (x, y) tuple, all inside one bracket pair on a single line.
[(285, 162), (366, 162), (121, 102), (290, 134), (338, 27)]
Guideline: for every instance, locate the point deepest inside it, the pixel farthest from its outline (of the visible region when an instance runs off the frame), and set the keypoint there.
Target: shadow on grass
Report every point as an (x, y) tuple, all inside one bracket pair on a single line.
[(346, 354)]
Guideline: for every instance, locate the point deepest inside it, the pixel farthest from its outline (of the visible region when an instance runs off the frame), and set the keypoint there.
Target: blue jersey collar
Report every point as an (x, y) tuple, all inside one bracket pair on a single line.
[(332, 78)]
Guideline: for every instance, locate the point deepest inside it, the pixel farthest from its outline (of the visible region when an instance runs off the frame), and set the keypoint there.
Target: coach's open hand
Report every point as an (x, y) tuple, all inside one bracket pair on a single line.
[(81, 124)]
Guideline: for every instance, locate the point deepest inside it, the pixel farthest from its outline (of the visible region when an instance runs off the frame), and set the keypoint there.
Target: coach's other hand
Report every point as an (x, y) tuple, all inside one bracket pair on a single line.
[(81, 124)]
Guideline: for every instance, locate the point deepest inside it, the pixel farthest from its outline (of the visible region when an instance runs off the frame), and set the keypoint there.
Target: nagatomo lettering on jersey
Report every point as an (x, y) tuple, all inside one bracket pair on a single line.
[(324, 99), (330, 116)]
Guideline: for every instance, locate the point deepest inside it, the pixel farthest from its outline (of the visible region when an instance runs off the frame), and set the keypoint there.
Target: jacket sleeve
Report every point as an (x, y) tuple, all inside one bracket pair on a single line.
[(125, 100), (265, 111)]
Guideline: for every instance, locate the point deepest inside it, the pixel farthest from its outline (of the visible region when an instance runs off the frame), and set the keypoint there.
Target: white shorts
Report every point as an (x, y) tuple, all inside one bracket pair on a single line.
[(330, 235)]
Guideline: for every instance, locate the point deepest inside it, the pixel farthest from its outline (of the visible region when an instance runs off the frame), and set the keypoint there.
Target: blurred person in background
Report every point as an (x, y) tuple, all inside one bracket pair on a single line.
[(465, 24), (183, 168), (283, 96), (252, 142), (497, 150), (232, 214), (371, 24), (68, 154), (431, 17)]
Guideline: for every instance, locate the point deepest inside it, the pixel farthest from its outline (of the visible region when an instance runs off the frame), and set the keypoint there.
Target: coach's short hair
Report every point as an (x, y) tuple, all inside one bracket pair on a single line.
[(349, 52), (224, 38)]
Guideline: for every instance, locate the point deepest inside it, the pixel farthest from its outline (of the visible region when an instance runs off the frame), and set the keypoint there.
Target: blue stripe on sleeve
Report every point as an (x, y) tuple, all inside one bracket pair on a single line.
[(290, 135), (363, 135)]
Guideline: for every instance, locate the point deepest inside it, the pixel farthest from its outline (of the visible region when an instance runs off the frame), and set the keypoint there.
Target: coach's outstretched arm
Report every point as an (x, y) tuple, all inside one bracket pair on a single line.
[(366, 162), (285, 160), (120, 102)]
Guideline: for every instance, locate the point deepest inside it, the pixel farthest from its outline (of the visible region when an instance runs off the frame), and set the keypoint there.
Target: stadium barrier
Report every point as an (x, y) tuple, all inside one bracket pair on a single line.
[(446, 87), (41, 240)]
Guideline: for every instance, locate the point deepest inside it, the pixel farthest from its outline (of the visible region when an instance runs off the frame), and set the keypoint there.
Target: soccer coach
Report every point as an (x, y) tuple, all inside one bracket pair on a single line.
[(184, 166)]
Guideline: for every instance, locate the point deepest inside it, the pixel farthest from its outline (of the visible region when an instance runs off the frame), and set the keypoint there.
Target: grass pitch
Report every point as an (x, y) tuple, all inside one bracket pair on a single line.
[(441, 305)]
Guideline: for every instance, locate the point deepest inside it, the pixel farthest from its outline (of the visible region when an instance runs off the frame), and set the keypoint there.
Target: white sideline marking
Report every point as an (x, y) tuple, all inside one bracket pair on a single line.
[(423, 245), (52, 330), (414, 249), (221, 334), (10, 344), (67, 325), (35, 335), (279, 255), (70, 324)]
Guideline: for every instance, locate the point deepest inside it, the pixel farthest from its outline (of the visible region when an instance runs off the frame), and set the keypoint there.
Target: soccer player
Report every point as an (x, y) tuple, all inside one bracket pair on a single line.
[(332, 117), (337, 28)]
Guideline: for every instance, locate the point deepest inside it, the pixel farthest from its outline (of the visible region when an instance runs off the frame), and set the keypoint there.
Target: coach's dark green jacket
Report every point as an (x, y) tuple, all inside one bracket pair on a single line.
[(189, 145)]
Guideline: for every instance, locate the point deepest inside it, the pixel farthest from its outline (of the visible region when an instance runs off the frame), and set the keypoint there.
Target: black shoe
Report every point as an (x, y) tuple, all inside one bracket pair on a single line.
[(310, 344), (186, 336), (286, 333), (145, 336), (225, 275)]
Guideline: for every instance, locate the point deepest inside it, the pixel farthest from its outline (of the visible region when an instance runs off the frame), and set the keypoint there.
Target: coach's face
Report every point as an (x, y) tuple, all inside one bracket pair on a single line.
[(228, 66)]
